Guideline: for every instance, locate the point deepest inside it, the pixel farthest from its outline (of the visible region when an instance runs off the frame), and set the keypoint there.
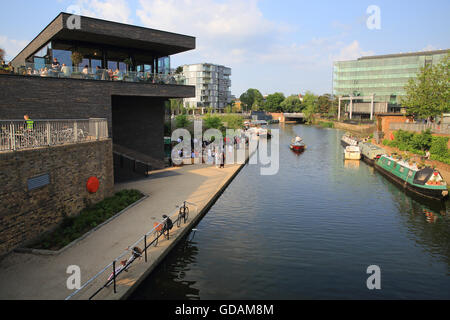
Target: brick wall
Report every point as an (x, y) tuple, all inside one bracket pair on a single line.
[(277, 116), (24, 215)]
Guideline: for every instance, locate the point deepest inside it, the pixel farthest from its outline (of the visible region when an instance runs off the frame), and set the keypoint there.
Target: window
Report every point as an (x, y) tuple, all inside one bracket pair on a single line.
[(389, 163), (402, 169)]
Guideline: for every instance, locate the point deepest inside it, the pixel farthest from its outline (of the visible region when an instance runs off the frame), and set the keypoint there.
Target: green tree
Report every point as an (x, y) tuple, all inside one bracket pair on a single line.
[(292, 104), (251, 98), (179, 70), (233, 121), (429, 94), (324, 104), (2, 54), (212, 122), (273, 102), (182, 121), (310, 103)]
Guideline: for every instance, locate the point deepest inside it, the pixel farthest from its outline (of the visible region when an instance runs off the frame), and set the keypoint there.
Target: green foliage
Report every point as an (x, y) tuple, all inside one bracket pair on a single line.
[(252, 98), (72, 228), (2, 54), (439, 150), (292, 104), (429, 94), (77, 58), (418, 143), (327, 124), (179, 70), (233, 121), (212, 122), (273, 102), (310, 103), (182, 121)]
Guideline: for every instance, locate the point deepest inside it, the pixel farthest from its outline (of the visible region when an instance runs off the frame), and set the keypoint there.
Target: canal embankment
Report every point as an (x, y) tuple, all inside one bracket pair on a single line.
[(361, 129), (31, 276)]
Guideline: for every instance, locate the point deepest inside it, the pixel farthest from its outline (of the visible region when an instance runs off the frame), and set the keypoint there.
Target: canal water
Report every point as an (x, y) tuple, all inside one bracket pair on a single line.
[(310, 232)]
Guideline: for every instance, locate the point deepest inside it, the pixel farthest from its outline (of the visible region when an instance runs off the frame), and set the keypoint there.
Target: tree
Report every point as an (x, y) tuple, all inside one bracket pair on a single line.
[(212, 122), (182, 121), (176, 106), (273, 102), (292, 104), (429, 94), (310, 103), (179, 70), (324, 104), (2, 54), (251, 98)]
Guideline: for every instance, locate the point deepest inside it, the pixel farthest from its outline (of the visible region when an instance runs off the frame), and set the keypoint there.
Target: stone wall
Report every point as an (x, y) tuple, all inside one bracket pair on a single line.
[(24, 214)]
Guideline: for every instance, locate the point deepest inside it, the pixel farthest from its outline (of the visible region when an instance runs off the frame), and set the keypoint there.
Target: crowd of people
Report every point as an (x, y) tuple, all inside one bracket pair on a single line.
[(209, 152), (56, 69)]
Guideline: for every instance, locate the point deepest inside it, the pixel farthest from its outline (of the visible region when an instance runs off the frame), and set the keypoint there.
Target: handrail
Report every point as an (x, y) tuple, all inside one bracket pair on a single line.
[(29, 134), (154, 230)]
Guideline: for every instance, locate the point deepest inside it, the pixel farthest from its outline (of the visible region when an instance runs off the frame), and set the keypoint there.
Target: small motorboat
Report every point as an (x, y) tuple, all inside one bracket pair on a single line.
[(298, 145), (352, 153)]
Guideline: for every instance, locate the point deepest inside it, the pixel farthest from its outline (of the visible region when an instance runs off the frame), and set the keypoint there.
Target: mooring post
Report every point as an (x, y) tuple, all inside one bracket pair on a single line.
[(145, 244), (114, 275)]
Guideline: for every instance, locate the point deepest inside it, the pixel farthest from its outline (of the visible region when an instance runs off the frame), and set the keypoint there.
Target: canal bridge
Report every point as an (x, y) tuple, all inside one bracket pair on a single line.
[(294, 116)]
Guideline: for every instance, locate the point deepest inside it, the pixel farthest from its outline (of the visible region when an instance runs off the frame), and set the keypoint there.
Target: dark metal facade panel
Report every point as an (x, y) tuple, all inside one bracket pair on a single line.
[(104, 32)]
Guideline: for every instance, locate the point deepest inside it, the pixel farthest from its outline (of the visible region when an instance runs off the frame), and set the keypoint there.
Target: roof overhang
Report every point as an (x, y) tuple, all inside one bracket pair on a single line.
[(102, 32)]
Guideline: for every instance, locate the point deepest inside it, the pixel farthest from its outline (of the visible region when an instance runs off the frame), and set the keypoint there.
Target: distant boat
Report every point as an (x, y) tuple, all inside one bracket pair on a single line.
[(426, 182), (349, 140), (297, 145), (352, 153), (370, 152)]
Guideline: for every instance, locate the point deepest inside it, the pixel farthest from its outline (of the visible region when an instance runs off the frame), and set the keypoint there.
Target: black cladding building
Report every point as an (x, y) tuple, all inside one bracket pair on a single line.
[(106, 70)]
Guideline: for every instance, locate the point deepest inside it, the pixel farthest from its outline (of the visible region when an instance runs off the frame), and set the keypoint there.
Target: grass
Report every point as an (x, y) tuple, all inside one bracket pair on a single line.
[(73, 228), (327, 124)]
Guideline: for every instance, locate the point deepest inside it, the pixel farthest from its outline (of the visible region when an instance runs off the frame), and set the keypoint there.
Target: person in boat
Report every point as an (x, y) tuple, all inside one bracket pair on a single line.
[(297, 140)]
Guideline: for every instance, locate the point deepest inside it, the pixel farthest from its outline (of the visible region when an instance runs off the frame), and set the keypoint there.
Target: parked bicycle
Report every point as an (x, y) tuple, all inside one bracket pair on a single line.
[(183, 214)]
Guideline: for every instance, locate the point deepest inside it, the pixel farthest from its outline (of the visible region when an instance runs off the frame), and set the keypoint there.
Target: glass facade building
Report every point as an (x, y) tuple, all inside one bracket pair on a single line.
[(385, 76)]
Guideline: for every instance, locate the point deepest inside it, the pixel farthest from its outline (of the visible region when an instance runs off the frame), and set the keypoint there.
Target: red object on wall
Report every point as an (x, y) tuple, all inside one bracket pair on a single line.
[(392, 137), (93, 184)]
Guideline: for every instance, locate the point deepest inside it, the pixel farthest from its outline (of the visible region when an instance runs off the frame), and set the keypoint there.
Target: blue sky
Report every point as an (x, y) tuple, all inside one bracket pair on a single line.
[(274, 46)]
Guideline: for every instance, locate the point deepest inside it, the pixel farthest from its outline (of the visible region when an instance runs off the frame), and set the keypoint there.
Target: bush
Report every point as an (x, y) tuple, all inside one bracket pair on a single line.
[(212, 122), (327, 124), (439, 150), (72, 228), (418, 143)]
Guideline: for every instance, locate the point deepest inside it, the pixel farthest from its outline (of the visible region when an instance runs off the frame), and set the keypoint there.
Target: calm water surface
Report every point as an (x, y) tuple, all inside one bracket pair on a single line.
[(310, 232)]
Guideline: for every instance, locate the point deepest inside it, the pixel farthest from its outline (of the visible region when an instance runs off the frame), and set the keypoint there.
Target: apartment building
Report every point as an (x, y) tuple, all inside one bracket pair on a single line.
[(212, 86)]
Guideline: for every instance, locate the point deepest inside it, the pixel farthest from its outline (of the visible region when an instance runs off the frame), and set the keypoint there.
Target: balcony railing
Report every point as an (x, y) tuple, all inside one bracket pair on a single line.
[(20, 134), (68, 72)]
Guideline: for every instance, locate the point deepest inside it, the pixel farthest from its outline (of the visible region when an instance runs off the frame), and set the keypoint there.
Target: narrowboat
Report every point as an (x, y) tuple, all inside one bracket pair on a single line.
[(370, 152), (427, 182), (349, 140), (352, 153)]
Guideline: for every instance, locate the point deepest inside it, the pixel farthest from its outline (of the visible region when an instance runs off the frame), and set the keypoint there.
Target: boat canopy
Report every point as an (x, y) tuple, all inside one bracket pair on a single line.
[(423, 176)]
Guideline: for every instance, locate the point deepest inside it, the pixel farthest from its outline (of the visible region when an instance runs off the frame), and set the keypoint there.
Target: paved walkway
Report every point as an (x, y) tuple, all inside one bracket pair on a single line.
[(29, 276)]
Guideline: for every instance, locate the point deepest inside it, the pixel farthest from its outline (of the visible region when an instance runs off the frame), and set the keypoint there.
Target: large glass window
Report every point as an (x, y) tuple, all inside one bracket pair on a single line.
[(63, 57), (164, 65)]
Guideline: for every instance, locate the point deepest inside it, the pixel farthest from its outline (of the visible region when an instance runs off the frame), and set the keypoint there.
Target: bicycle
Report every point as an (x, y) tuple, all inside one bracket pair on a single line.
[(183, 214)]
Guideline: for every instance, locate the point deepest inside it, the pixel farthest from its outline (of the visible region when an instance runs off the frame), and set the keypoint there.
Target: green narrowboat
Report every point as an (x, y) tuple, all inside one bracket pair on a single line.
[(426, 182)]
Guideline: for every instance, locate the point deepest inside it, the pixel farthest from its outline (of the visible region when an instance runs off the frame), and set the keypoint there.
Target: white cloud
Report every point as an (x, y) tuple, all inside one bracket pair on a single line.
[(227, 32), (113, 10), (429, 48), (11, 46), (351, 52)]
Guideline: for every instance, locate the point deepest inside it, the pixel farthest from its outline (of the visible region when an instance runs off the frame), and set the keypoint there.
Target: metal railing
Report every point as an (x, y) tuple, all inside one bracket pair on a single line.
[(109, 274), (21, 134), (419, 127), (69, 72)]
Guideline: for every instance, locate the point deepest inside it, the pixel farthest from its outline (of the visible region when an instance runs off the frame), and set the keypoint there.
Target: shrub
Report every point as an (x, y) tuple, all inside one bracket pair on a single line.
[(72, 228), (439, 150)]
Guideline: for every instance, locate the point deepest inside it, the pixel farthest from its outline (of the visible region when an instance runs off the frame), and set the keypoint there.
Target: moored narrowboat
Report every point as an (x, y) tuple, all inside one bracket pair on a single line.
[(370, 152), (426, 182), (352, 153), (349, 140)]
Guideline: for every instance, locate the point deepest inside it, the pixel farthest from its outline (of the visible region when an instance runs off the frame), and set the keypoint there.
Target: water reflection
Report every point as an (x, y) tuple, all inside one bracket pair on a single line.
[(168, 280), (351, 164)]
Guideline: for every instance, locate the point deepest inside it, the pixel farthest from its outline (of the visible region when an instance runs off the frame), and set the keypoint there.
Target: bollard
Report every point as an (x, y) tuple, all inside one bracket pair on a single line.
[(114, 275)]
